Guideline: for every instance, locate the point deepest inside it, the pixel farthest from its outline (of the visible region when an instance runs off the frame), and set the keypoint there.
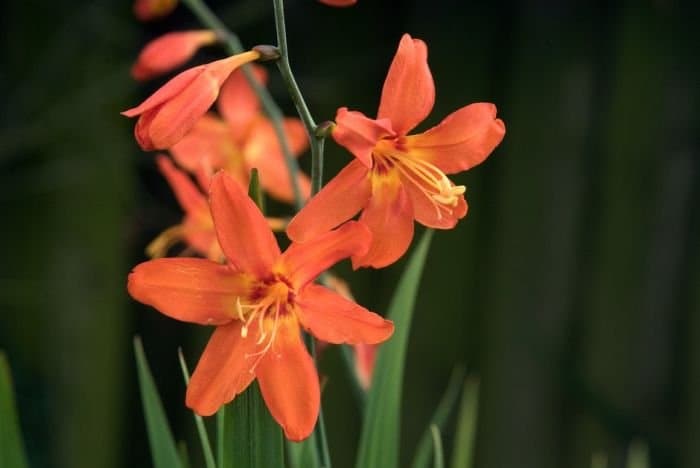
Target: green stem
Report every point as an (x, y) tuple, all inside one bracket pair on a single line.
[(315, 142), (272, 110)]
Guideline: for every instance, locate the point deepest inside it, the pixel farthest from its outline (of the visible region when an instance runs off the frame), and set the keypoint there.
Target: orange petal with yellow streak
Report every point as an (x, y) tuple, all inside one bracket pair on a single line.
[(461, 141), (188, 289), (409, 92), (289, 383), (224, 370), (334, 319), (389, 216), (359, 134)]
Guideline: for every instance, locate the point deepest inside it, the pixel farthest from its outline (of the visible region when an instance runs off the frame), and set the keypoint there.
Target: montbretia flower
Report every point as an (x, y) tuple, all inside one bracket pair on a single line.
[(338, 3), (259, 302), (169, 51), (197, 227), (397, 177), (169, 113), (147, 10), (243, 139)]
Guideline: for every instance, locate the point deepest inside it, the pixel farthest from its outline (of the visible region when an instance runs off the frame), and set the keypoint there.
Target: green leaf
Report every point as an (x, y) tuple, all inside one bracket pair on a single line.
[(254, 190), (199, 422), (303, 454), (11, 448), (638, 455), (438, 456), (462, 455), (163, 448), (442, 412), (379, 441), (250, 438), (599, 460)]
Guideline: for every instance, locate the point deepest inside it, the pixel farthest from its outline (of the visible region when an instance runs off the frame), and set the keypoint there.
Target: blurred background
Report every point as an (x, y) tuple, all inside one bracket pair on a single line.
[(572, 288)]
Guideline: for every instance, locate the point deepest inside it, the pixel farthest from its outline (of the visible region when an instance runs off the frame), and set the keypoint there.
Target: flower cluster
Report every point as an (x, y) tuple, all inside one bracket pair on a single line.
[(258, 297)]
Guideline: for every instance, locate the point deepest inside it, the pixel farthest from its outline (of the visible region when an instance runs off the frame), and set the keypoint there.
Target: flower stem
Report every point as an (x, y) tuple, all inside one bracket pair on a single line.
[(272, 110), (316, 144), (315, 141)]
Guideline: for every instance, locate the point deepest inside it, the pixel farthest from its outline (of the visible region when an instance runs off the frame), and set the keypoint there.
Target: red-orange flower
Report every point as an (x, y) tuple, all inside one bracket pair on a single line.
[(259, 301), (169, 51), (167, 115), (197, 227), (147, 10), (338, 3), (396, 177), (242, 140)]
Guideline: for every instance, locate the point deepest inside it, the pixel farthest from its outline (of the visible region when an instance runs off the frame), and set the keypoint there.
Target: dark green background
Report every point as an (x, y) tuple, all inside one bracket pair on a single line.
[(572, 288)]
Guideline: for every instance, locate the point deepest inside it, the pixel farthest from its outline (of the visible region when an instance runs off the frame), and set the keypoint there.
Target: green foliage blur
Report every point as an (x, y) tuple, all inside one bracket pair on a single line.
[(572, 288)]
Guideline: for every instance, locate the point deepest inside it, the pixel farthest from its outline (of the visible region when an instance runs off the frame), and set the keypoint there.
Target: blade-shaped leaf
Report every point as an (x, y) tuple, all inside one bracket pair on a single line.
[(11, 448), (466, 425), (438, 456), (199, 422), (638, 455), (303, 454), (250, 437), (379, 442), (442, 412), (163, 448)]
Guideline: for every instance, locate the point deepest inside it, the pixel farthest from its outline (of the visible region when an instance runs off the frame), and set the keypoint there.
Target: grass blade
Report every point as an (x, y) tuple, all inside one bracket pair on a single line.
[(438, 456), (462, 455), (163, 448), (199, 422), (303, 454), (379, 441), (439, 418), (11, 448), (250, 438)]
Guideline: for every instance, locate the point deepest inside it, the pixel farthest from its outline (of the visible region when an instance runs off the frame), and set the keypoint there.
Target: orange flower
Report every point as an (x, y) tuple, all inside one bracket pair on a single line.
[(146, 10), (398, 177), (197, 227), (167, 115), (339, 3), (244, 139), (169, 51), (259, 302)]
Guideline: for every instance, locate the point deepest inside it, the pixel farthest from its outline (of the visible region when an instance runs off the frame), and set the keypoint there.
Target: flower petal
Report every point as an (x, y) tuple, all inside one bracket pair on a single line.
[(341, 199), (429, 212), (188, 195), (204, 145), (289, 383), (188, 289), (166, 92), (243, 232), (389, 216), (178, 115), (462, 140), (169, 51), (224, 370), (334, 319), (238, 103), (303, 262), (263, 151), (360, 134), (409, 93)]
